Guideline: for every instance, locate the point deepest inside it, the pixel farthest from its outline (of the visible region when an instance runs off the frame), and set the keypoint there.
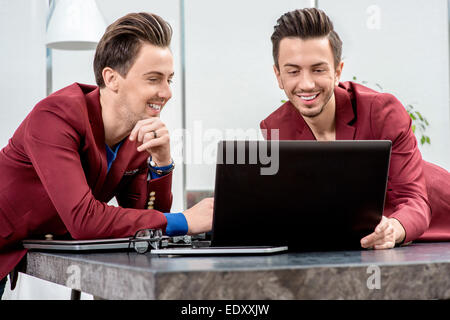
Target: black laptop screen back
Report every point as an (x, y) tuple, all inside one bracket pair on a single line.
[(319, 196)]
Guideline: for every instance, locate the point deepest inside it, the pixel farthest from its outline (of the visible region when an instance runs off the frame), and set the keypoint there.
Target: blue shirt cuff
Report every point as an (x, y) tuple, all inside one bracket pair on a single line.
[(154, 175), (176, 224)]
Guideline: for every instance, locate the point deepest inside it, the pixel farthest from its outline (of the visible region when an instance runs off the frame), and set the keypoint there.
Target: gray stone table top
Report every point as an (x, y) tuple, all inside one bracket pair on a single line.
[(417, 271)]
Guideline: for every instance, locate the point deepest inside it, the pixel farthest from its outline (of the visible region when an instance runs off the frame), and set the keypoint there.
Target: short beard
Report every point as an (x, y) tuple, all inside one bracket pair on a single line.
[(321, 109), (129, 118)]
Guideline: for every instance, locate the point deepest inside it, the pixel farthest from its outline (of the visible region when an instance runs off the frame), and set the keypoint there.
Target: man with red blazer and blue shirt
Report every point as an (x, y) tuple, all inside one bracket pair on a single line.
[(84, 145), (307, 54)]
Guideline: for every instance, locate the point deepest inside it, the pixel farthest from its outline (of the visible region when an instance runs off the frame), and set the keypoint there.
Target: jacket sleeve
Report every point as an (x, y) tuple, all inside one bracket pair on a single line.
[(52, 140), (406, 196), (142, 193)]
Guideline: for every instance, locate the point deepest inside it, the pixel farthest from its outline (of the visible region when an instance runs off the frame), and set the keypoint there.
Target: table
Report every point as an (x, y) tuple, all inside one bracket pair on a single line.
[(417, 271)]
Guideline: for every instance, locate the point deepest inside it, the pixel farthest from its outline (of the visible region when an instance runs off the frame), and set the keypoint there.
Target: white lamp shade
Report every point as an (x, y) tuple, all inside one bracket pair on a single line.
[(75, 25)]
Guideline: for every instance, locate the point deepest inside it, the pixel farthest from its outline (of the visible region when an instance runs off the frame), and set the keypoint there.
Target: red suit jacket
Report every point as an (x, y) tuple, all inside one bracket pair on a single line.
[(418, 192), (55, 180)]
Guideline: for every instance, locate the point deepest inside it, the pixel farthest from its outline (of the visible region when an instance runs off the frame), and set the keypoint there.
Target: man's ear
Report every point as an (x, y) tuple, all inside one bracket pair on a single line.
[(277, 74), (339, 72), (111, 78)]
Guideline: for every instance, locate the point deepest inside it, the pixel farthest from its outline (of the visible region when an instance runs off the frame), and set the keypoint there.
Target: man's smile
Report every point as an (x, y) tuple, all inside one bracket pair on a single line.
[(308, 98), (154, 106)]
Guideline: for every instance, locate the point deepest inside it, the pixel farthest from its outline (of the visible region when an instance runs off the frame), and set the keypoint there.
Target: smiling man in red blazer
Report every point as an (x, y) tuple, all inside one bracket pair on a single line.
[(84, 145), (307, 54)]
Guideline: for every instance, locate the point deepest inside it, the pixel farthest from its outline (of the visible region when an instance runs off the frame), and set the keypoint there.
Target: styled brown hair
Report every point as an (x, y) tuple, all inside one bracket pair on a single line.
[(119, 46), (307, 23)]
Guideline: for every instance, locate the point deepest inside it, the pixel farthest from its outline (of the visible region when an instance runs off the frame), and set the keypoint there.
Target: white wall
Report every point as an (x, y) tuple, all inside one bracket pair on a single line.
[(230, 82), (22, 61)]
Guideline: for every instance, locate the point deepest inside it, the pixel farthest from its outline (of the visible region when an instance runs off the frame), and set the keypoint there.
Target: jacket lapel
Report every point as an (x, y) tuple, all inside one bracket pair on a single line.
[(98, 130), (302, 130), (344, 115)]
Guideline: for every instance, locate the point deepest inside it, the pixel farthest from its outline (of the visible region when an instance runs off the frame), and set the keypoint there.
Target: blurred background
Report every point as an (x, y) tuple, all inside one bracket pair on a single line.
[(224, 83)]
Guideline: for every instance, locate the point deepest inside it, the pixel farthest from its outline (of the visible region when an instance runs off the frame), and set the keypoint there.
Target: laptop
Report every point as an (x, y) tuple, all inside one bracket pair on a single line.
[(274, 196), (77, 245), (306, 195), (195, 248)]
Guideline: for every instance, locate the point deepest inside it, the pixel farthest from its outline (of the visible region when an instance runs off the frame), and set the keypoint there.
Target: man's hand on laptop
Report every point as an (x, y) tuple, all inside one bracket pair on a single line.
[(199, 217), (387, 233)]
